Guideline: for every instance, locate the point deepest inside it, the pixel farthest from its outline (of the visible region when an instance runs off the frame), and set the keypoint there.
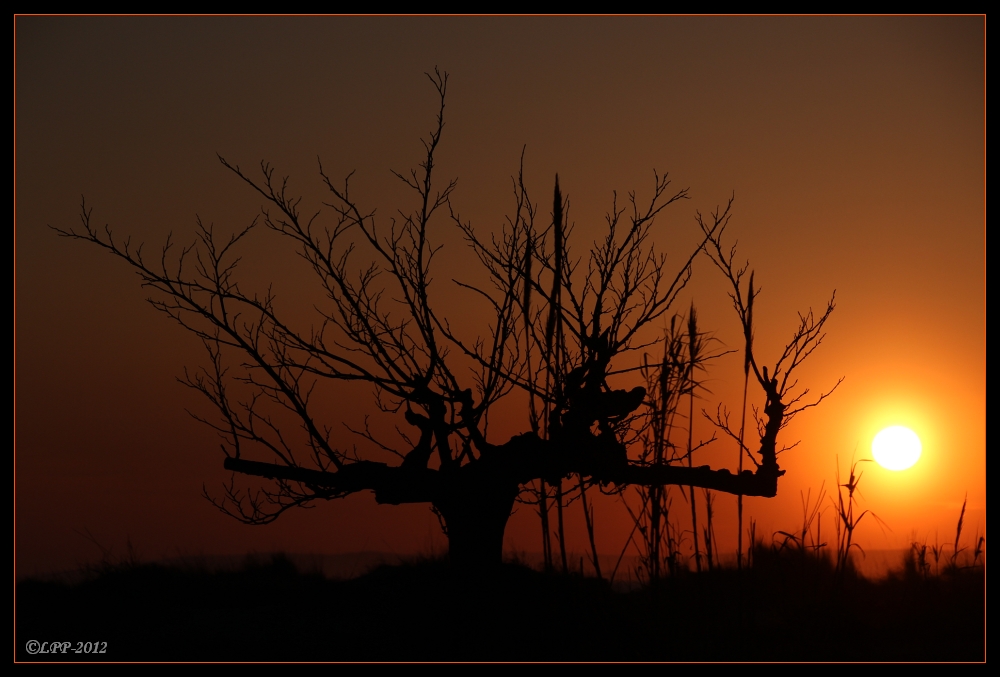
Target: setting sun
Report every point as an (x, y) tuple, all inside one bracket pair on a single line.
[(896, 448)]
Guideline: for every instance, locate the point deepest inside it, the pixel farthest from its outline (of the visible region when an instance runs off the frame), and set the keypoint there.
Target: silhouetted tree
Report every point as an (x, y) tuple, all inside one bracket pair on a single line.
[(558, 325)]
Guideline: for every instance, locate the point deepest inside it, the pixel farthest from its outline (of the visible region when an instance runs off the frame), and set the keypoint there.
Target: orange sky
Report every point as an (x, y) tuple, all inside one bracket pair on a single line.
[(854, 146)]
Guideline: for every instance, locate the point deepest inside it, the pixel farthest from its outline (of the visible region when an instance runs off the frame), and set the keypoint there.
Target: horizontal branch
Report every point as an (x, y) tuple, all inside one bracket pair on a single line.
[(392, 485), (396, 485), (764, 482)]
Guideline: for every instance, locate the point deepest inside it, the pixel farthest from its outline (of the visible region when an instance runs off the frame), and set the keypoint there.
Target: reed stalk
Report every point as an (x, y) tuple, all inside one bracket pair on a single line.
[(958, 534), (694, 355), (709, 529), (747, 319)]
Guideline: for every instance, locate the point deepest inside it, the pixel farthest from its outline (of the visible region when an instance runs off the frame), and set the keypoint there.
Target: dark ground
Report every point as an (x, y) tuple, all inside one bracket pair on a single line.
[(788, 608)]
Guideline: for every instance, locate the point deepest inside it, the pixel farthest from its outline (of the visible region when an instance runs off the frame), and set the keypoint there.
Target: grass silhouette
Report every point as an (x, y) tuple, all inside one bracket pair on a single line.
[(791, 605)]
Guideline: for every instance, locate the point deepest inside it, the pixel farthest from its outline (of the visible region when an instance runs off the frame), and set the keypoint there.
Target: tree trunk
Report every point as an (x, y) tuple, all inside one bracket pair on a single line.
[(475, 516)]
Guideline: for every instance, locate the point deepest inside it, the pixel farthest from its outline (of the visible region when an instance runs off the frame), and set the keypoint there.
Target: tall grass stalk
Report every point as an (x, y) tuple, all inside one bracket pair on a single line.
[(694, 357), (710, 544), (979, 549), (553, 360), (918, 551), (848, 520), (747, 319), (958, 534), (937, 550), (812, 516)]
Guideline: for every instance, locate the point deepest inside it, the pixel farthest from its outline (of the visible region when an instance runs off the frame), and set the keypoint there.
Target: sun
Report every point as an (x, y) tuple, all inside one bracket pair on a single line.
[(896, 448)]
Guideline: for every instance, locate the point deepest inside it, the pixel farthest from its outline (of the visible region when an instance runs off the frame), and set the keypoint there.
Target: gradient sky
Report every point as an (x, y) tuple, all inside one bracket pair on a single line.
[(854, 147)]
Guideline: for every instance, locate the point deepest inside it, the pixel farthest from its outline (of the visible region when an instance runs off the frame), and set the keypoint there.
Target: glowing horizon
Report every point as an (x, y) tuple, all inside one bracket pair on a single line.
[(826, 134)]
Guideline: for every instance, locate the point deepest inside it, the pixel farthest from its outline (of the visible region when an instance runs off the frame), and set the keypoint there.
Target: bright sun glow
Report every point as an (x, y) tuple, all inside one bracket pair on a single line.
[(896, 448)]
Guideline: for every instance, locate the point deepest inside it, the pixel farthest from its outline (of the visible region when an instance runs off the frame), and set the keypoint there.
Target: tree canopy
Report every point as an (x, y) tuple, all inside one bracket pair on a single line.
[(559, 324)]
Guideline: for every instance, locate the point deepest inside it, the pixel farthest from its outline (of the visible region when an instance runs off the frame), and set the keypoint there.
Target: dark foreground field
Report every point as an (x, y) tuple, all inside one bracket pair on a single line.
[(788, 608)]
